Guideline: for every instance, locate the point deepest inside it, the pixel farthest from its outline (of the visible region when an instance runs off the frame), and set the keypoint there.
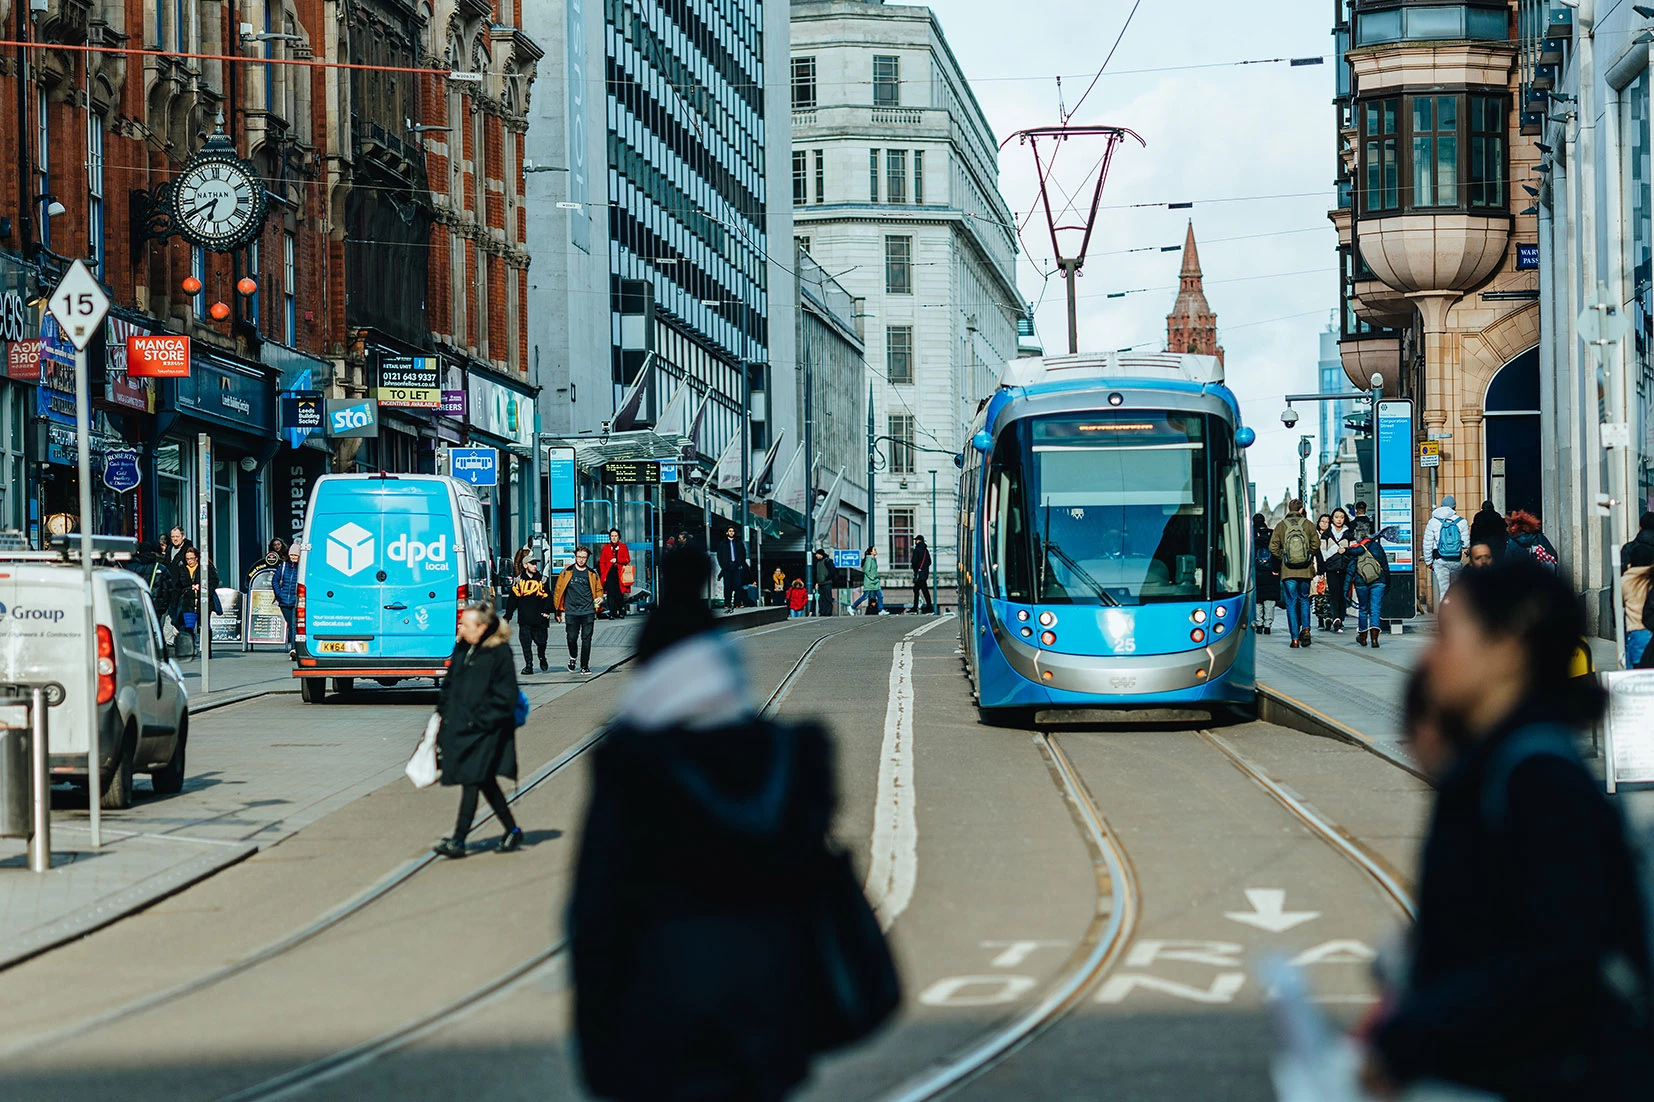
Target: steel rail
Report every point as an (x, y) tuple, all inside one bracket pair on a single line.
[(1354, 852), (1117, 931), (300, 1079)]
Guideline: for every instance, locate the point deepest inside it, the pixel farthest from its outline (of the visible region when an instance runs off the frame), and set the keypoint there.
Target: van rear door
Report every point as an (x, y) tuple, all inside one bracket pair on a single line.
[(343, 603), (43, 639), (421, 565)]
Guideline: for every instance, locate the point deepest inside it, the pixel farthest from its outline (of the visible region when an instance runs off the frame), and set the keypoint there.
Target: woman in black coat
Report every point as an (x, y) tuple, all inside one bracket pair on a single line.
[(705, 828), (1530, 976), (478, 738)]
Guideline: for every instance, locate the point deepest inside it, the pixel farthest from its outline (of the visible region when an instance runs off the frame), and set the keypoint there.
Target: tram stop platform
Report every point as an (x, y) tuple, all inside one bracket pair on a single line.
[(1340, 689)]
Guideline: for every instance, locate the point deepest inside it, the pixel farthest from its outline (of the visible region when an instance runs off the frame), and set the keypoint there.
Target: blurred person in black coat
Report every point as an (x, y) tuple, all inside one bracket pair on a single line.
[(1530, 975), (477, 743), (705, 830)]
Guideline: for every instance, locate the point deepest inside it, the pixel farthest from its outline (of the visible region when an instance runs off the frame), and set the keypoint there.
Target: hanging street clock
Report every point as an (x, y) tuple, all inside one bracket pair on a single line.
[(218, 201)]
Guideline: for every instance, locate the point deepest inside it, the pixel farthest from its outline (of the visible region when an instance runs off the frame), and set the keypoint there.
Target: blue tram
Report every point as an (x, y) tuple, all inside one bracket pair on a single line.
[(1105, 541)]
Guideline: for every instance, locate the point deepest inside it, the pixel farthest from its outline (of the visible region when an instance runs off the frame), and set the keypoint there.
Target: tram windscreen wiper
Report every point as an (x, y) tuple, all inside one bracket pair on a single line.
[(1076, 570)]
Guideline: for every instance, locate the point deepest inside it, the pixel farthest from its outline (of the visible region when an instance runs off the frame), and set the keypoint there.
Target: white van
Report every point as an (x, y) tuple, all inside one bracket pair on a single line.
[(142, 708)]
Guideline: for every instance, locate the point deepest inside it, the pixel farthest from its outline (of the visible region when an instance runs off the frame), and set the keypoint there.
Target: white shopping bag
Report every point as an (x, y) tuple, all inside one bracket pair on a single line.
[(422, 768)]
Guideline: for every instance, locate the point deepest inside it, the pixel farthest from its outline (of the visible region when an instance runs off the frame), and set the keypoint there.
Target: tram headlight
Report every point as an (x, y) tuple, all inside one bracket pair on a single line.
[(1027, 633), (1049, 638), (1022, 614), (1222, 612), (1047, 619), (1198, 616), (1217, 629), (1198, 635)]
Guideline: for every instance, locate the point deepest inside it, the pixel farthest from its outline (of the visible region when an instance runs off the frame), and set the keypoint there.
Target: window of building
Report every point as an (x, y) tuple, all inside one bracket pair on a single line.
[(1487, 151), (918, 176), (821, 176), (255, 269), (289, 290), (895, 175), (42, 161), (898, 353), (801, 177), (898, 265), (802, 243), (1434, 22), (900, 519), (887, 82), (94, 189), (1379, 155), (872, 175), (1449, 148), (1637, 170), (804, 83), (1435, 151), (901, 443)]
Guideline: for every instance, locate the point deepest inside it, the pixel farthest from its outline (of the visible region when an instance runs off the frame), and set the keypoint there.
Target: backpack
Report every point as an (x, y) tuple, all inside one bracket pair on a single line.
[(1260, 554), (1368, 570), (1295, 545), (1450, 544)]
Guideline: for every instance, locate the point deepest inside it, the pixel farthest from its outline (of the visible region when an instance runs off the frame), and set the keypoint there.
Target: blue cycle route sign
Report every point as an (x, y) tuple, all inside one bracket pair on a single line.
[(478, 466), (120, 469)]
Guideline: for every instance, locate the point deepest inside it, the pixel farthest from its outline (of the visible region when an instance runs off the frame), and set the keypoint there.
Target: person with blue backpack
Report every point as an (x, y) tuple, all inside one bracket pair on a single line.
[(1369, 568), (1446, 539), (480, 708), (1530, 975)]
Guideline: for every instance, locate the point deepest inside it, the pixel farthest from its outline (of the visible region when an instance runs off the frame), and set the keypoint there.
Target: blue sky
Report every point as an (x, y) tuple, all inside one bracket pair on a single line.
[(1216, 131)]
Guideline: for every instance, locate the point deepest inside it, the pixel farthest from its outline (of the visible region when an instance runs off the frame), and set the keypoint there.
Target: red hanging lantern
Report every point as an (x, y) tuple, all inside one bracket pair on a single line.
[(246, 285), (192, 286), (219, 311)]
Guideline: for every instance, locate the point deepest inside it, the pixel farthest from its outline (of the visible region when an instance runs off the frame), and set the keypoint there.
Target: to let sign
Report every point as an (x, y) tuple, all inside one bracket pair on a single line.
[(409, 382), (158, 356)]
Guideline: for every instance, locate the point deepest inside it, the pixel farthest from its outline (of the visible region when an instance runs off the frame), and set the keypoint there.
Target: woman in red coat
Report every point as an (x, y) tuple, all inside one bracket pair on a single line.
[(614, 568)]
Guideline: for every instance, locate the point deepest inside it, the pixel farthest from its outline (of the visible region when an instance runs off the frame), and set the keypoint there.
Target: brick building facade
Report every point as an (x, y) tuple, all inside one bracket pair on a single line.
[(368, 221)]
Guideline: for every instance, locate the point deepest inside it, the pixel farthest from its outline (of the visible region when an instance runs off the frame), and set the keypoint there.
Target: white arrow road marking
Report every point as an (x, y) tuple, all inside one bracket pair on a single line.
[(1268, 911), (1223, 989), (1345, 951)]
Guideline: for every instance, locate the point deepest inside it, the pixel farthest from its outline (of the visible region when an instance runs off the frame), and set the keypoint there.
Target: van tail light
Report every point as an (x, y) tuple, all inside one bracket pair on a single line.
[(106, 665), (459, 605), (298, 616)]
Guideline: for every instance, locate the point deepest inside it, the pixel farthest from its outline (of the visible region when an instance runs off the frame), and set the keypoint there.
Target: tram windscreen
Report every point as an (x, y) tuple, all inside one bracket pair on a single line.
[(1116, 508)]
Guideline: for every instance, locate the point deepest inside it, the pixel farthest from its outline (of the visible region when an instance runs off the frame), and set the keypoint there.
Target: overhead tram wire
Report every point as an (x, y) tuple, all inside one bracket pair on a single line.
[(1110, 57)]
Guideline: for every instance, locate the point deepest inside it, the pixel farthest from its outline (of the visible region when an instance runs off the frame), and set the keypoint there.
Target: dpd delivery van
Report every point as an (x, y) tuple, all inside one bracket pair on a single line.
[(389, 563)]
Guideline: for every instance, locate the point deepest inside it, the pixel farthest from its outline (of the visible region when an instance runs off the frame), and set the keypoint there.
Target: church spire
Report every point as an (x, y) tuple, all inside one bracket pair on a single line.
[(1191, 326)]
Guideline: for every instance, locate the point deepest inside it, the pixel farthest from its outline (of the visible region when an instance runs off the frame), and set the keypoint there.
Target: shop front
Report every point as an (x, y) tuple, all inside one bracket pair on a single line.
[(233, 406), (502, 415), (303, 456), (20, 348)]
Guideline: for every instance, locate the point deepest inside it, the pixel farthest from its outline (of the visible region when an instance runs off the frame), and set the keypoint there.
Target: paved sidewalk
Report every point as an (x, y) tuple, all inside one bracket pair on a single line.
[(1351, 690)]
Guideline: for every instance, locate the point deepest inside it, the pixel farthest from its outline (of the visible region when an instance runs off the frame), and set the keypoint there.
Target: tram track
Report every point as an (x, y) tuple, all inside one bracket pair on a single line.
[(1120, 899), (331, 919), (300, 1079)]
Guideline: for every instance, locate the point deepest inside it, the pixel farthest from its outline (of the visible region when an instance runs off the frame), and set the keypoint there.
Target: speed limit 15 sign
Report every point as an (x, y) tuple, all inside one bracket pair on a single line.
[(79, 305)]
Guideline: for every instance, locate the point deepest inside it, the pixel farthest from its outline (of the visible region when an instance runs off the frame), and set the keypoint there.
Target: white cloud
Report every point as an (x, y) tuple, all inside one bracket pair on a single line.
[(1213, 133)]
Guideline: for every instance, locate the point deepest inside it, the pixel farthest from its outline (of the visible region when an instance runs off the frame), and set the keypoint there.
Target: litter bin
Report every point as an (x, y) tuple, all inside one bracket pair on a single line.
[(16, 791)]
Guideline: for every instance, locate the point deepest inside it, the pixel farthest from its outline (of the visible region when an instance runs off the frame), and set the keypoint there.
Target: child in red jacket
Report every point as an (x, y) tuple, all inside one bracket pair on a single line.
[(797, 598)]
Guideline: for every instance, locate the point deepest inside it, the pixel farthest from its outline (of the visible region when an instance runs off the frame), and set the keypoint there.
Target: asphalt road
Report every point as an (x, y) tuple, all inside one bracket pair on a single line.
[(978, 857)]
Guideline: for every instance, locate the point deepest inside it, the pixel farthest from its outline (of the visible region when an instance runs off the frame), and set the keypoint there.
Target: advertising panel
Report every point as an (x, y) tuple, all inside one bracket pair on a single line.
[(158, 356), (352, 417)]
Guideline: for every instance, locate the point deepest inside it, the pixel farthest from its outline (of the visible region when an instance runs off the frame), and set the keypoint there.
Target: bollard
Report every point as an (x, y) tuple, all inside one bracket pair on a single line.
[(16, 816), (40, 842)]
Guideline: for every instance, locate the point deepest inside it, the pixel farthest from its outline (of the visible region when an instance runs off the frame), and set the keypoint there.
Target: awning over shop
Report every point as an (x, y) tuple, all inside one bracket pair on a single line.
[(592, 452)]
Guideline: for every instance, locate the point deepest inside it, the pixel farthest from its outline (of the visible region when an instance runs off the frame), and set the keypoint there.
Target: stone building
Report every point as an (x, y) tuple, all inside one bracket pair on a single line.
[(1439, 296), (894, 190)]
